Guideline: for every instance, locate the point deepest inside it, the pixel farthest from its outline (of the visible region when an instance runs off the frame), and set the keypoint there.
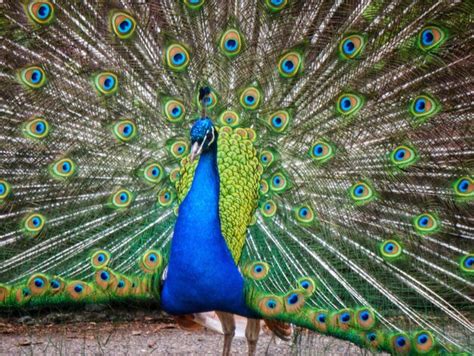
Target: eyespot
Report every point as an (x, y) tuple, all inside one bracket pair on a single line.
[(5, 189), (403, 156), (276, 5), (166, 197), (174, 111), (34, 223), (400, 343), (33, 77), (464, 187), (56, 285), (290, 64), (294, 301), (41, 12), (78, 289), (64, 168), (431, 37), (268, 208), (210, 101), (100, 259), (36, 128), (125, 130), (343, 318), (178, 148), (250, 98), (374, 339), (361, 193), (307, 285), (268, 157), (153, 173), (38, 284), (279, 182), (304, 214), (426, 223), (320, 319), (123, 25), (231, 43), (264, 187), (175, 174), (424, 107), (121, 199), (321, 151), (151, 261), (365, 319), (351, 46), (229, 118), (257, 270), (467, 263), (270, 305), (194, 4), (423, 341), (349, 104), (177, 57), (123, 286), (390, 249), (106, 83), (105, 277), (22, 295), (278, 121)]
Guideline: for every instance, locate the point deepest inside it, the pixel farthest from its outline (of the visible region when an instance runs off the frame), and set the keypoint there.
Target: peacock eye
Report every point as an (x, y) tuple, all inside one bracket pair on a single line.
[(278, 121), (41, 11), (426, 223), (279, 182), (100, 258), (362, 193), (178, 149), (106, 83), (34, 223), (321, 151), (174, 111), (403, 156), (33, 77), (121, 199), (268, 208), (124, 130), (194, 4), (153, 173), (165, 197), (276, 5), (63, 168), (290, 64), (351, 46), (431, 37), (5, 189), (123, 25), (177, 57), (210, 101), (37, 128), (423, 107), (464, 187), (304, 214), (467, 263), (423, 342), (229, 118), (231, 43), (390, 249), (400, 343), (348, 104)]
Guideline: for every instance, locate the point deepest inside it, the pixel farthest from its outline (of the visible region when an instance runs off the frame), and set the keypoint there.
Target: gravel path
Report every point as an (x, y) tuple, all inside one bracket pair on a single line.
[(119, 332)]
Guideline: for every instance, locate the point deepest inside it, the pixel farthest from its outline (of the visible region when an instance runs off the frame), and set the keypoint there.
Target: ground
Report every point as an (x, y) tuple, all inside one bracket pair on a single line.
[(100, 330)]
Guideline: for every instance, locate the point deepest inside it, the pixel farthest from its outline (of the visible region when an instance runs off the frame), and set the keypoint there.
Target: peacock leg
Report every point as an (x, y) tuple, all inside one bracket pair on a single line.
[(251, 333), (228, 326)]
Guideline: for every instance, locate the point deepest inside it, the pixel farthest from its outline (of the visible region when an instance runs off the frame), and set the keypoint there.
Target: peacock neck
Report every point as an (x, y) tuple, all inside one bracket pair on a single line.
[(202, 275)]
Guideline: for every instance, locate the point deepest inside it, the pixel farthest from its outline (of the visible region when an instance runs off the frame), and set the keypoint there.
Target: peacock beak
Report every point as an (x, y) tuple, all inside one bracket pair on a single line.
[(196, 150)]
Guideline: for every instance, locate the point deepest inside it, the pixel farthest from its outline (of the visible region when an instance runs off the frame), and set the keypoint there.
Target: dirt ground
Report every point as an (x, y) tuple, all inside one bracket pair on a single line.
[(104, 331)]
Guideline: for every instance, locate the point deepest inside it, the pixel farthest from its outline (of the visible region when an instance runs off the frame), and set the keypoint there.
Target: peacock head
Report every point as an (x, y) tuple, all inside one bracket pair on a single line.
[(203, 136)]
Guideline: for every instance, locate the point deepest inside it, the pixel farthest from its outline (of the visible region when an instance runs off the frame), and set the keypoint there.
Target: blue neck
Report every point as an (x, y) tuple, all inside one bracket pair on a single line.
[(202, 276)]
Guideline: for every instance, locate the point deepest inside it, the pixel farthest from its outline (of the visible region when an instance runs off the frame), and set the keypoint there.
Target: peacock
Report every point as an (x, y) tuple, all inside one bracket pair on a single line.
[(302, 162)]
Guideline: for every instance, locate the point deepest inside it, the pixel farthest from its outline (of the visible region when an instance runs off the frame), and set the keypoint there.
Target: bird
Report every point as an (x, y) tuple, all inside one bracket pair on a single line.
[(308, 163)]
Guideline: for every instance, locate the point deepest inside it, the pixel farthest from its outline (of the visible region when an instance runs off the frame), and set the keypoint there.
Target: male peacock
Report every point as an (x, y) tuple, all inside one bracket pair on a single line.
[(327, 181)]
